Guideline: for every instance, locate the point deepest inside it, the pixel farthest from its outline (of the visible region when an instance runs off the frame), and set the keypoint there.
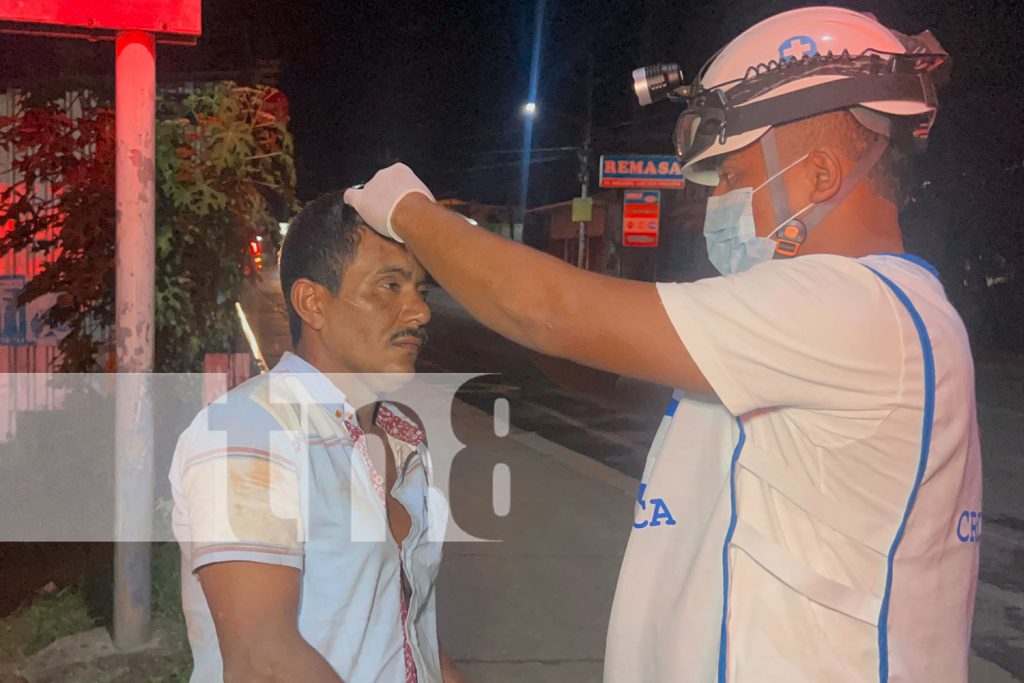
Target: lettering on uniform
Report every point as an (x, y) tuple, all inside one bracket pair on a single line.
[(659, 512), (968, 527)]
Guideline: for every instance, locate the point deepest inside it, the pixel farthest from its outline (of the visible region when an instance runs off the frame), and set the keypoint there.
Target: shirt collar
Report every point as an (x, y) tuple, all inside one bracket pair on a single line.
[(320, 387), (327, 393), (398, 426)]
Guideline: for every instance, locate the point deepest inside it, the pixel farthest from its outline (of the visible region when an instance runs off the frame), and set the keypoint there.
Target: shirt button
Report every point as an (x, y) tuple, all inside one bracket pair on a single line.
[(337, 413), (378, 480)]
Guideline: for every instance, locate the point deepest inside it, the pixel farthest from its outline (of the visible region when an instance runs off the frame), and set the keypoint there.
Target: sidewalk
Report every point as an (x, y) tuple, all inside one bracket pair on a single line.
[(534, 607)]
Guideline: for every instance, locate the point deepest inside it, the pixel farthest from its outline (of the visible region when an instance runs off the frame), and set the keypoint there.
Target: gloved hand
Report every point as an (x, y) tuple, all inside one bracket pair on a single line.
[(376, 200)]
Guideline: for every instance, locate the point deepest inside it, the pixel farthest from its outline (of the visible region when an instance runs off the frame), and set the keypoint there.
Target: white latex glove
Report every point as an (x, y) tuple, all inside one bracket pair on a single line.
[(376, 200)]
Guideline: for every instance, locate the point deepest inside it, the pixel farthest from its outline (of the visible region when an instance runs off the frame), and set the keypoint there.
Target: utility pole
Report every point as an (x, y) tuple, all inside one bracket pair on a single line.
[(133, 441), (584, 172)]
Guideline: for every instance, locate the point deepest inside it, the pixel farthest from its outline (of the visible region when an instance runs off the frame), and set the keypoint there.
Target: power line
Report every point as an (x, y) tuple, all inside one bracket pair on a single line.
[(505, 164)]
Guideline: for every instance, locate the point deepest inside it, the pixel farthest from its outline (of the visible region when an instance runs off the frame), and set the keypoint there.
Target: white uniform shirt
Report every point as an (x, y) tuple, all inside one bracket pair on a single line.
[(819, 523), (252, 482)]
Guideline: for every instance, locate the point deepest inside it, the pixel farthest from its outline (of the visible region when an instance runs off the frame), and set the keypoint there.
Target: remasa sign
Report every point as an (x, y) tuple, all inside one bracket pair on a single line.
[(641, 170)]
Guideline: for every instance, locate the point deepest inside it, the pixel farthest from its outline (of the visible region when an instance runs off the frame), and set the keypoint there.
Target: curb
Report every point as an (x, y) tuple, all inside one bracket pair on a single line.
[(578, 463), (568, 458)]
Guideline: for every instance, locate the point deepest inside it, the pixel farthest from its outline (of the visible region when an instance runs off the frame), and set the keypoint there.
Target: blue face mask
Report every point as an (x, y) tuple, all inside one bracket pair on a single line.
[(733, 243)]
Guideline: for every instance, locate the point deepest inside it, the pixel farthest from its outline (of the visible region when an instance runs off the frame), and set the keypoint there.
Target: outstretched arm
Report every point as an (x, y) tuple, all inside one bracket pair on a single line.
[(543, 303)]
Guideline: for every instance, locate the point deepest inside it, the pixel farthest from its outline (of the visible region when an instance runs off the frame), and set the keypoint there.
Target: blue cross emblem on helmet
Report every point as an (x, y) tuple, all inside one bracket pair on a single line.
[(797, 47)]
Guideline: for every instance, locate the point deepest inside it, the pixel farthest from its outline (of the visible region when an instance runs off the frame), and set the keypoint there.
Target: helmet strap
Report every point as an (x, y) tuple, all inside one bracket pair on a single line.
[(792, 232), (776, 186)]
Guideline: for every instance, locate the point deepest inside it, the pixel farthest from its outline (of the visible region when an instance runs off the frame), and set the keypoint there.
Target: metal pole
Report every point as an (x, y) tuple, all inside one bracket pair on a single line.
[(136, 202), (585, 158), (583, 232)]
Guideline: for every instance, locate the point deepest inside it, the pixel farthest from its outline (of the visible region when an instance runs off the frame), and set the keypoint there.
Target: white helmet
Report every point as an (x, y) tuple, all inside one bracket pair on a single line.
[(795, 65)]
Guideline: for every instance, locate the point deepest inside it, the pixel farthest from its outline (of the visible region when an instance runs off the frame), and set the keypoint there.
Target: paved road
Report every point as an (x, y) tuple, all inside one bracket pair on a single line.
[(613, 419)]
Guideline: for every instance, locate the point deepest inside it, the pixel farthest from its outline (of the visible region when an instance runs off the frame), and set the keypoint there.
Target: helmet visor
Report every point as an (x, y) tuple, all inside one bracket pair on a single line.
[(697, 128), (751, 104)]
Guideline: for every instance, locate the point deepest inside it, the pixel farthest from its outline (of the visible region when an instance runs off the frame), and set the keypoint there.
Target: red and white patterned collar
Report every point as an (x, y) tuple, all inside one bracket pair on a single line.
[(397, 426)]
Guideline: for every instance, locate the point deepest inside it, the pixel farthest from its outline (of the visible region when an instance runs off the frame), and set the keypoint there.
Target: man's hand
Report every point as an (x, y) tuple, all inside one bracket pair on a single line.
[(376, 200)]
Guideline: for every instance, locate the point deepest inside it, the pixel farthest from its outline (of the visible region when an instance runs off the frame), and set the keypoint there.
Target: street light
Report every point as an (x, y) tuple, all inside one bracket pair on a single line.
[(529, 113)]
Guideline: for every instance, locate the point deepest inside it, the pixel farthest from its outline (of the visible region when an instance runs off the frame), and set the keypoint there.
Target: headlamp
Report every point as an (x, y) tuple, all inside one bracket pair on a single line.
[(657, 82), (746, 104)]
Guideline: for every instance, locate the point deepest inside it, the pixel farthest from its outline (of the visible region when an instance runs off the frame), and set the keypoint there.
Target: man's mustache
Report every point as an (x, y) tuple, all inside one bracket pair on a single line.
[(417, 332)]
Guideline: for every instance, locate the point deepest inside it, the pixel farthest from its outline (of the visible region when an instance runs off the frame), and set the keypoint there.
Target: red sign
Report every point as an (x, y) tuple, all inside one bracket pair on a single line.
[(641, 210), (166, 17)]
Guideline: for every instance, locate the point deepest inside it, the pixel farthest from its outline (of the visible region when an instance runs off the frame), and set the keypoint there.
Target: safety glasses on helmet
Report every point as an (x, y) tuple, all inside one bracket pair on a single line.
[(714, 114)]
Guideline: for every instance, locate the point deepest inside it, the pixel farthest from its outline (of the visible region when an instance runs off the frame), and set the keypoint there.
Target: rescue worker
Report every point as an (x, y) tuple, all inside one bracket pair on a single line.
[(811, 509)]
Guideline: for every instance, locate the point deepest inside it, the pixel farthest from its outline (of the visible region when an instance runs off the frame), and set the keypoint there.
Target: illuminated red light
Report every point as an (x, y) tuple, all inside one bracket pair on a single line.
[(166, 17)]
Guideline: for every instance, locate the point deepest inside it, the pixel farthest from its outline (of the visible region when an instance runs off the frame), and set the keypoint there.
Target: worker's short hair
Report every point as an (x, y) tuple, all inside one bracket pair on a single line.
[(889, 178), (321, 242)]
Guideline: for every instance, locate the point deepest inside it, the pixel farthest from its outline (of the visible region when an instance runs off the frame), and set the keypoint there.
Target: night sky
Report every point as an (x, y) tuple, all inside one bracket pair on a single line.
[(439, 86)]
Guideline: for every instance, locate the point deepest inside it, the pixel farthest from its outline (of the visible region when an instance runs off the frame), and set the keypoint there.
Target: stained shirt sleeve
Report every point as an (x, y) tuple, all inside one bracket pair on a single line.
[(240, 478)]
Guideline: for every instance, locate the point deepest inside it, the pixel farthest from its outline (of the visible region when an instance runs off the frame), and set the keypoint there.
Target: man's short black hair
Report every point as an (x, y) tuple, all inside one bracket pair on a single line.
[(320, 244)]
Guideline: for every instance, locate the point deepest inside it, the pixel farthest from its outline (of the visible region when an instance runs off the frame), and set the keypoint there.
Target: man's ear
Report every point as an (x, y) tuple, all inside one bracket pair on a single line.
[(307, 298), (827, 170)]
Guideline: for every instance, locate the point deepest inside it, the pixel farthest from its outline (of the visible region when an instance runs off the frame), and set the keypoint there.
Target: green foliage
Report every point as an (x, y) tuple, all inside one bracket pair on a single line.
[(165, 603), (64, 208), (225, 173), (176, 669), (223, 153), (48, 618), (165, 600), (64, 612)]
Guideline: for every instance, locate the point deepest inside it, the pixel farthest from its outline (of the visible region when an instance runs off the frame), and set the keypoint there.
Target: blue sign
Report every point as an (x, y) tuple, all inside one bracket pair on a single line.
[(13, 326), (641, 170)]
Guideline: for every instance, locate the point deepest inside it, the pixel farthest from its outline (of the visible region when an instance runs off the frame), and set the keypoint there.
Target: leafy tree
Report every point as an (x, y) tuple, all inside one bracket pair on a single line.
[(225, 171), (63, 208)]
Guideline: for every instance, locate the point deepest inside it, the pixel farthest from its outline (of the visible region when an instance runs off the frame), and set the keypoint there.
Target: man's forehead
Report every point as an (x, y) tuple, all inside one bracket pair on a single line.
[(381, 256), (405, 271)]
